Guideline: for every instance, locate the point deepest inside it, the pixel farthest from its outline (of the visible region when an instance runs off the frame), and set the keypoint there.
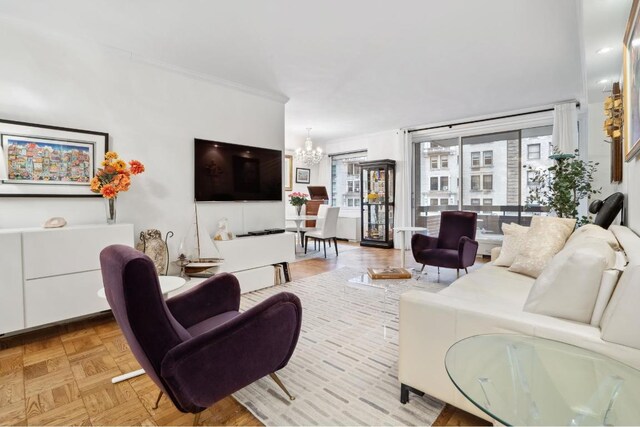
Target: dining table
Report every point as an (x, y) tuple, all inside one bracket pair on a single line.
[(298, 219)]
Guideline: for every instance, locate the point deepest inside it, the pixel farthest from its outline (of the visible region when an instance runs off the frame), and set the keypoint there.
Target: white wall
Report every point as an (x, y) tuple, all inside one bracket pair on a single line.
[(599, 151), (302, 188), (151, 113)]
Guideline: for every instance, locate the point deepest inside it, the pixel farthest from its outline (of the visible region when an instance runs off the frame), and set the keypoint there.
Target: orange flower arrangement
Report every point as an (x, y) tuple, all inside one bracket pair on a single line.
[(114, 177)]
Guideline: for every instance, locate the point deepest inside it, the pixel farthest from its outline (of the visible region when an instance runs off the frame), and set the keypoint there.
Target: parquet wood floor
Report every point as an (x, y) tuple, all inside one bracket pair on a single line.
[(61, 375)]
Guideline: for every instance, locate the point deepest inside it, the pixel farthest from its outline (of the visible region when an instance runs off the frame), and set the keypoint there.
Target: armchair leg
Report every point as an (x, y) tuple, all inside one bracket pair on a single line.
[(466, 271), (457, 272), (196, 419), (438, 271), (422, 269), (158, 400), (275, 378)]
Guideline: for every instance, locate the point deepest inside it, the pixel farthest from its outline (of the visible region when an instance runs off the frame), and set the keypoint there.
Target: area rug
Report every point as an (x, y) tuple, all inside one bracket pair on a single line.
[(331, 252), (344, 370)]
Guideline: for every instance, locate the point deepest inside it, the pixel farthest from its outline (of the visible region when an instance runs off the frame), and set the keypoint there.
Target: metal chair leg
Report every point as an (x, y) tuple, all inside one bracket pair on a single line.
[(423, 266), (306, 244), (457, 272), (438, 270), (275, 378), (335, 244), (466, 271), (324, 245), (196, 419), (158, 400)]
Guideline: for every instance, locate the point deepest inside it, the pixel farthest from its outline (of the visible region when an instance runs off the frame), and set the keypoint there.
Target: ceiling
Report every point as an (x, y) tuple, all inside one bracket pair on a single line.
[(605, 22), (349, 67)]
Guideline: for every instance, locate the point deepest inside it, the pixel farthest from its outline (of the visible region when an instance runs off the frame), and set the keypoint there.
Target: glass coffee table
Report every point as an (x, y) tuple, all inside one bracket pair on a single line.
[(523, 380)]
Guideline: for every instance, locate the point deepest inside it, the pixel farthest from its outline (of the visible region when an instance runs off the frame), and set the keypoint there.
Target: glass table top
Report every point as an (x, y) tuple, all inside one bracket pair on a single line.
[(523, 380)]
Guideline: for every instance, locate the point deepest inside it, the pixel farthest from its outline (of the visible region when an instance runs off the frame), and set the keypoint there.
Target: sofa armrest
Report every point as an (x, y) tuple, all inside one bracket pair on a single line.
[(216, 295), (495, 253)]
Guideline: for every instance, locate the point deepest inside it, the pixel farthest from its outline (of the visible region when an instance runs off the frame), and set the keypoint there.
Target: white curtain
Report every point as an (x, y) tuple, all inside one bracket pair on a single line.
[(403, 186), (565, 127)]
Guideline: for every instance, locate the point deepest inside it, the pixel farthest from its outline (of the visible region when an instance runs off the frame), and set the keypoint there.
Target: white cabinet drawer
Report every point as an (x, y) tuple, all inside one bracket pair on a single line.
[(11, 295), (70, 250), (58, 298)]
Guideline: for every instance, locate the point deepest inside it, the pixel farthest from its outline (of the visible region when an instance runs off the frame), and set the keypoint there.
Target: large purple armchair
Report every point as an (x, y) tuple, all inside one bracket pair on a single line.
[(455, 246), (197, 347)]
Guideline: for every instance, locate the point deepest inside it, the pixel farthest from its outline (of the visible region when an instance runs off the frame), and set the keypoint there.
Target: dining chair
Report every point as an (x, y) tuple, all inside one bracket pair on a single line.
[(327, 232)]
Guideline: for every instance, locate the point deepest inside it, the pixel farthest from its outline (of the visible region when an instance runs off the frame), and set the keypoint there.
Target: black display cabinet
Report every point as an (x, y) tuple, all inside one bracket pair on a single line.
[(377, 197)]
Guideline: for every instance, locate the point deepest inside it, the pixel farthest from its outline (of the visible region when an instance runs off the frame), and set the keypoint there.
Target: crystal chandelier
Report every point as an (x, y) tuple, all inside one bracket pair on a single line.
[(309, 155)]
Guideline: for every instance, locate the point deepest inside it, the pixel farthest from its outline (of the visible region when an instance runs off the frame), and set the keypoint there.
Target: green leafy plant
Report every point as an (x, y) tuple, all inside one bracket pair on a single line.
[(564, 185)]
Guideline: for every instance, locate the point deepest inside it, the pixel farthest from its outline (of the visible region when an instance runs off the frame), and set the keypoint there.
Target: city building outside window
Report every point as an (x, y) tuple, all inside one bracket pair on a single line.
[(530, 175), (434, 183), (444, 202), (434, 162), (433, 202), (488, 157), (487, 202), (444, 183), (444, 162), (475, 202), (475, 159), (345, 179), (533, 152), (487, 182), (475, 182)]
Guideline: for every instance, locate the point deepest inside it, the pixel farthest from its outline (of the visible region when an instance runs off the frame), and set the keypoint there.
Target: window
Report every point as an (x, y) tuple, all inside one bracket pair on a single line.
[(444, 183), (434, 183), (475, 182), (433, 202), (444, 162), (533, 152), (487, 202), (487, 157), (475, 202), (434, 162), (487, 182), (345, 179), (530, 175), (444, 202), (475, 159)]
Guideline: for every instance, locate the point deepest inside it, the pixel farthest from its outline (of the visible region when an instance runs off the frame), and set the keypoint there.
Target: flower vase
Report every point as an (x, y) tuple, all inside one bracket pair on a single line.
[(110, 205), (299, 210)]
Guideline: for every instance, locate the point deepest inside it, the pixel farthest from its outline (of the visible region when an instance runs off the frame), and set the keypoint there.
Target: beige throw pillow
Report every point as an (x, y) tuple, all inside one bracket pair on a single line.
[(569, 286), (545, 238), (593, 231), (514, 239)]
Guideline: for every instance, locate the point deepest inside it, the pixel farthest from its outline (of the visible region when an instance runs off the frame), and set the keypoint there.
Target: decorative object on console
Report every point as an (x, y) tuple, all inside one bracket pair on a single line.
[(606, 211), (309, 156), (152, 244), (298, 200), (199, 250), (288, 172), (223, 232), (61, 161), (55, 222), (564, 185), (631, 86), (613, 124), (303, 176), (113, 178)]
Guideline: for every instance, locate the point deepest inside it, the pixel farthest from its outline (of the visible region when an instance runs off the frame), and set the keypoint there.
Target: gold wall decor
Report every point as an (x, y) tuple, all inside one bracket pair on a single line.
[(613, 124)]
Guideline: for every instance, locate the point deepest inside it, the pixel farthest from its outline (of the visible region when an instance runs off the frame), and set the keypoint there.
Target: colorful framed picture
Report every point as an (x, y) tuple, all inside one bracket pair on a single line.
[(303, 176), (631, 85), (288, 172), (40, 160)]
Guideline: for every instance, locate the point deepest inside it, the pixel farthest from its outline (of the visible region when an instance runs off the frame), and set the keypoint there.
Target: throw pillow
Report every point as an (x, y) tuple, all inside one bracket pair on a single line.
[(546, 237), (514, 239), (568, 287), (592, 230), (607, 286)]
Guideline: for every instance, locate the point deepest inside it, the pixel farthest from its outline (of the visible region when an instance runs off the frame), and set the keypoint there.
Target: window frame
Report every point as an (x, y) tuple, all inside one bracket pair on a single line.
[(529, 152)]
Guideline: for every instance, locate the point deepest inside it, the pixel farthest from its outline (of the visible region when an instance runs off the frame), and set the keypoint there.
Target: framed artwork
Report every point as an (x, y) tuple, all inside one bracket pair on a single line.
[(40, 160), (631, 87), (303, 176), (288, 172)]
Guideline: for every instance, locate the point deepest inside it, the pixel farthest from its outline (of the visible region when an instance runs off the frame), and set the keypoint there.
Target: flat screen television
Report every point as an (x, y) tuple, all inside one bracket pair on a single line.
[(231, 172)]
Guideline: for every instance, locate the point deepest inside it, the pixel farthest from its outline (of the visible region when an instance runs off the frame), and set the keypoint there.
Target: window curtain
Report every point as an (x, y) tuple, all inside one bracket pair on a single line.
[(565, 127)]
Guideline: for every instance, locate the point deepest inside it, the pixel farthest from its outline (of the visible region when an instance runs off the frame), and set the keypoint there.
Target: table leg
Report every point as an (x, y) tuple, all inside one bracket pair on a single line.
[(127, 376), (298, 223), (402, 254)]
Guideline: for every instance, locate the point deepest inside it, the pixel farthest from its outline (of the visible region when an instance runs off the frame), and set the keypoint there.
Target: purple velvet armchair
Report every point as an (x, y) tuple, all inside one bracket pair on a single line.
[(197, 347), (455, 246)]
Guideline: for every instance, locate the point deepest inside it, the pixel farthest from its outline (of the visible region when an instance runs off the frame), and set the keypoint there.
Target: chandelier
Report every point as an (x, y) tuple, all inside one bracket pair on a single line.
[(309, 155)]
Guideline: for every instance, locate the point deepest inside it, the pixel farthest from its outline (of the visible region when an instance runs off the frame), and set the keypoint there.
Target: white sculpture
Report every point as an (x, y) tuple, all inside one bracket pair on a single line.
[(223, 232)]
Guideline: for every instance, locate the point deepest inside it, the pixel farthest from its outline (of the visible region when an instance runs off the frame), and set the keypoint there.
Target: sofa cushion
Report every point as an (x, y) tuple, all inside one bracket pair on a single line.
[(620, 322), (607, 285), (492, 285), (568, 287), (593, 231), (545, 238), (629, 241), (514, 239)]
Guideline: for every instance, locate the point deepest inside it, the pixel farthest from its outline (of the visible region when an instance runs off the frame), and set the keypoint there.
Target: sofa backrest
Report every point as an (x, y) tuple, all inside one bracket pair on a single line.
[(621, 319)]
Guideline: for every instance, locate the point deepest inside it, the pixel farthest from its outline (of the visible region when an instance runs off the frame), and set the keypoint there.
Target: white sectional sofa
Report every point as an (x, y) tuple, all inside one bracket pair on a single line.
[(491, 300)]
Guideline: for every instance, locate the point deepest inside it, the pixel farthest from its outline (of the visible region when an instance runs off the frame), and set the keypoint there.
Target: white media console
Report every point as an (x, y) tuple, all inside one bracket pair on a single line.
[(50, 275)]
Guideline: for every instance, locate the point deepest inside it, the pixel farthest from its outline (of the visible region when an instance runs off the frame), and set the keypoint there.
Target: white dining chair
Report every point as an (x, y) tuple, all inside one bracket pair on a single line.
[(327, 230)]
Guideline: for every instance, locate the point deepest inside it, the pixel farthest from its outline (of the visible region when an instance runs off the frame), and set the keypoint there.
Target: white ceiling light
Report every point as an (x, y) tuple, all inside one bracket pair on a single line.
[(309, 156), (635, 42), (603, 81), (605, 49)]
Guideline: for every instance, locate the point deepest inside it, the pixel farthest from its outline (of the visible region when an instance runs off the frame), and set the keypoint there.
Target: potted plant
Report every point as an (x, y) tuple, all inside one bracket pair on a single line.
[(563, 186), (298, 200)]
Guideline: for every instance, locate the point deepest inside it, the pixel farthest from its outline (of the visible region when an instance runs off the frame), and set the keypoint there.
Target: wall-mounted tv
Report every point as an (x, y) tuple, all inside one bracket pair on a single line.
[(231, 172)]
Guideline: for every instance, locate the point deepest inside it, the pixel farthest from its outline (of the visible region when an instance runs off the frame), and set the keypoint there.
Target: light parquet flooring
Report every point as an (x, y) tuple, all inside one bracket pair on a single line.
[(61, 375)]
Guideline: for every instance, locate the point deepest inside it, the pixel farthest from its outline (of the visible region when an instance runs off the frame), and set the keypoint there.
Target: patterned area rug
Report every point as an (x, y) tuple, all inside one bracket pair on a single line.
[(344, 370), (319, 253)]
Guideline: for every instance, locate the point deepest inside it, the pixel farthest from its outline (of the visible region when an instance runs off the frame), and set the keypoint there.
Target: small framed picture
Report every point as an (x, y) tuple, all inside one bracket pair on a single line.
[(303, 176), (288, 172)]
